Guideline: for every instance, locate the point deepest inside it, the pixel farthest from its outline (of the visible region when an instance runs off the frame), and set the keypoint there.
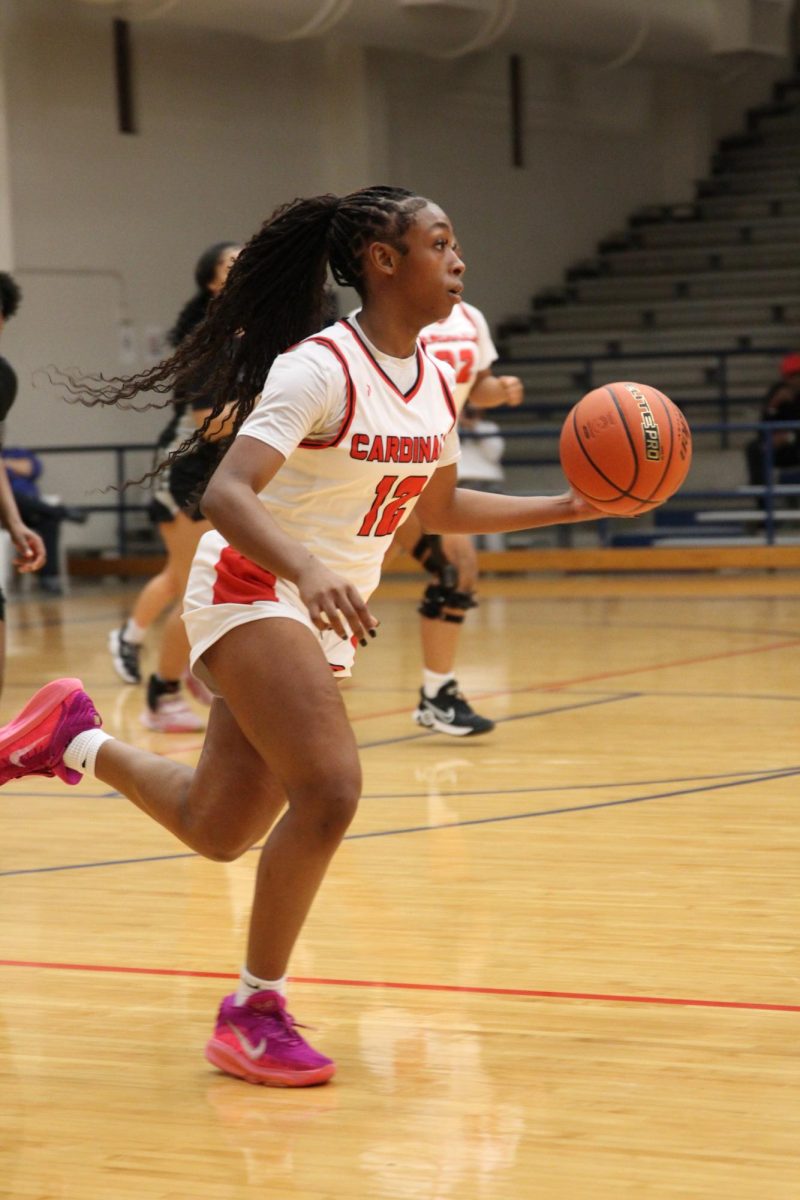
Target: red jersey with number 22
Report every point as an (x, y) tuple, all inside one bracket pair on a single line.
[(464, 342)]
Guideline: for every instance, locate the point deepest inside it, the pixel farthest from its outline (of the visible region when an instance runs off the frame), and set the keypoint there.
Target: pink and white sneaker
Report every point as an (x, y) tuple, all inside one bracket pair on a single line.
[(35, 741), (195, 687), (258, 1041), (172, 714)]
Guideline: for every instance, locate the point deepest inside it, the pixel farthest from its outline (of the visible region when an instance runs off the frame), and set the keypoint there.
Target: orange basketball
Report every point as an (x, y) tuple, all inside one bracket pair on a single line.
[(626, 448)]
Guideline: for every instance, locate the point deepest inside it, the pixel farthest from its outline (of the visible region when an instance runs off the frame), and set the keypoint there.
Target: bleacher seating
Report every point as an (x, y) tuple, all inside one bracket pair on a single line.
[(698, 298), (717, 273)]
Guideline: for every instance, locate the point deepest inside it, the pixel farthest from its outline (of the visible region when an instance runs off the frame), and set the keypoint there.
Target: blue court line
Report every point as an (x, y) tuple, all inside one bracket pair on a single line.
[(551, 812), (416, 737), (541, 712), (762, 772), (495, 820), (744, 776)]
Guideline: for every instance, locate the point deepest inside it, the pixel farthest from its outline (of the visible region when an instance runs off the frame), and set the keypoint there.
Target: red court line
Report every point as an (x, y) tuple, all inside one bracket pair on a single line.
[(536, 993), (678, 662)]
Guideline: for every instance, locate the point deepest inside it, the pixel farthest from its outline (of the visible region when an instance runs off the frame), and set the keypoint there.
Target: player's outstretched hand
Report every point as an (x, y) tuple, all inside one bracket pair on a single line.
[(582, 510), (332, 601)]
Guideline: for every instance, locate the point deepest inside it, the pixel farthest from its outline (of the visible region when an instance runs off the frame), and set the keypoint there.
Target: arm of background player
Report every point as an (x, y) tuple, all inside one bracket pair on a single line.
[(491, 391), (29, 547)]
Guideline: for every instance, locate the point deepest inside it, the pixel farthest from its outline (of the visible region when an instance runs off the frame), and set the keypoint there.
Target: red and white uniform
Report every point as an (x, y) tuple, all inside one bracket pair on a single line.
[(362, 433), (464, 342)]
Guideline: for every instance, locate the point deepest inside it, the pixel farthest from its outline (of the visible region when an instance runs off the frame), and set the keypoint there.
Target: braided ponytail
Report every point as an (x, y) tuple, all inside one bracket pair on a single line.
[(273, 298)]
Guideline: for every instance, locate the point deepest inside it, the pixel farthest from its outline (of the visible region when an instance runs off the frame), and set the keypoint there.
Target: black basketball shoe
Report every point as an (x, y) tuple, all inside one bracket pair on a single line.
[(125, 656), (449, 712)]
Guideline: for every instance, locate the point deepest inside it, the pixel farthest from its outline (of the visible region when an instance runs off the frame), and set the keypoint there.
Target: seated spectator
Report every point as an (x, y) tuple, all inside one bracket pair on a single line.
[(24, 469), (781, 403)]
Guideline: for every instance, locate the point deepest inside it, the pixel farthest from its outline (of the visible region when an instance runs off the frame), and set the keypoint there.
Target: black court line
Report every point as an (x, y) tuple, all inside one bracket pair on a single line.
[(536, 712), (495, 820)]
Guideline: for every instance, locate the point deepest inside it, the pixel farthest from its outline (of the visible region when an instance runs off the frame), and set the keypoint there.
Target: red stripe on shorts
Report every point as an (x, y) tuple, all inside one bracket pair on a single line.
[(240, 581)]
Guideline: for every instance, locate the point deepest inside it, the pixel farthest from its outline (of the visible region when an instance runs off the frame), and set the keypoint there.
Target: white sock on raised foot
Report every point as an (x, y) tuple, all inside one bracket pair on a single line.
[(81, 753)]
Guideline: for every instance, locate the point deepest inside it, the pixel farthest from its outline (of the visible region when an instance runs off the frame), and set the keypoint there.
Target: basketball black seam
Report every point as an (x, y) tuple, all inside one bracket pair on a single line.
[(624, 493)]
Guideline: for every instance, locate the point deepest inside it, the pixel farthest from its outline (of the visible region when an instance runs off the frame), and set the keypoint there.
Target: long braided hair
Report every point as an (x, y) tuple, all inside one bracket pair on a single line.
[(273, 298)]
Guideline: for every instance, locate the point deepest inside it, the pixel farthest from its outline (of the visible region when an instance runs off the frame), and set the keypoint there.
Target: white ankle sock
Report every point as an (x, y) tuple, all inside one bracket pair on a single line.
[(133, 633), (433, 683), (81, 753), (249, 984)]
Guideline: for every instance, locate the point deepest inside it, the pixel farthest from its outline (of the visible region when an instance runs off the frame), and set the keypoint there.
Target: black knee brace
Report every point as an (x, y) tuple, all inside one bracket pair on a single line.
[(439, 602), (442, 597), (461, 602)]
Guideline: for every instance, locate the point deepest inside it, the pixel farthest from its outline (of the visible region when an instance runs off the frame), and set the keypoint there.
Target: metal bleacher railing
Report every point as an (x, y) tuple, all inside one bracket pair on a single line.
[(766, 500), (591, 370), (120, 505), (762, 511)]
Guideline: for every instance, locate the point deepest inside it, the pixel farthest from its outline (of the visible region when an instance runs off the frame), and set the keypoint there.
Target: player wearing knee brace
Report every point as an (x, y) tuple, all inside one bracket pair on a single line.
[(464, 342), (442, 707)]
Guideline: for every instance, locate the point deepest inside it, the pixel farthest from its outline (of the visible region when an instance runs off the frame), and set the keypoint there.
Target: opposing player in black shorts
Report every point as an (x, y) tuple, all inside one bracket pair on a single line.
[(181, 524)]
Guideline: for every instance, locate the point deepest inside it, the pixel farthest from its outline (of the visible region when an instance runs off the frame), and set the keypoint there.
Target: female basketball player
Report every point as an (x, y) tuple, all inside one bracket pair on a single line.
[(463, 341), (181, 525), (350, 427)]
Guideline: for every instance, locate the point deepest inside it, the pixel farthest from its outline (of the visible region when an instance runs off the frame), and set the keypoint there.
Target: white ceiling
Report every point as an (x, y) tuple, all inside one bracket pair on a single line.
[(610, 32)]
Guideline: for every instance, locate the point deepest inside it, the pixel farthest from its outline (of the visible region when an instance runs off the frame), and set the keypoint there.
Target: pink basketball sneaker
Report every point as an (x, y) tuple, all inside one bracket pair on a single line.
[(258, 1041), (35, 741)]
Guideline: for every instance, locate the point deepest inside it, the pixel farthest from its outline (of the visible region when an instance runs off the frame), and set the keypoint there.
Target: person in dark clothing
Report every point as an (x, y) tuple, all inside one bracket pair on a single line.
[(175, 511), (24, 469), (781, 403), (29, 548)]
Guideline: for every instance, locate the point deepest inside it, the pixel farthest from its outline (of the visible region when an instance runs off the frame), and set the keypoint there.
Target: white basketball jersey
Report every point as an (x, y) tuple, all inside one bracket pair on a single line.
[(464, 342), (343, 497)]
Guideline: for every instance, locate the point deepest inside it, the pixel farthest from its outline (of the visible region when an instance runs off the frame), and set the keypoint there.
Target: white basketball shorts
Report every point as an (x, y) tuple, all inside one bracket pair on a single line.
[(225, 589)]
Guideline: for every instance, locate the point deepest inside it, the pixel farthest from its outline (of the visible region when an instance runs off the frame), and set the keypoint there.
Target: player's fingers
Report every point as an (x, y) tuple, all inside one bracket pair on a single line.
[(357, 614), (317, 619), (30, 552), (330, 617)]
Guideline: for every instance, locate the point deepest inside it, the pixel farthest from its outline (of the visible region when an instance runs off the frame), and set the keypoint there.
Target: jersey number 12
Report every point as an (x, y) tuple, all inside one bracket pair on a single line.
[(388, 507)]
